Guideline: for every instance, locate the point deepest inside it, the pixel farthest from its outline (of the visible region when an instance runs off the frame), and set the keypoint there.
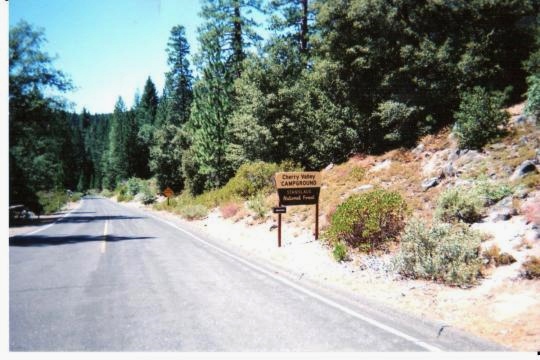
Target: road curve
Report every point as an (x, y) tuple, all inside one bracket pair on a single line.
[(110, 278)]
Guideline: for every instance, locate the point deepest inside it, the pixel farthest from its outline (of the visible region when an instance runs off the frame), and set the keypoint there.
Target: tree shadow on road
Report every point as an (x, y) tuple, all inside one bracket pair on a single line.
[(45, 240)]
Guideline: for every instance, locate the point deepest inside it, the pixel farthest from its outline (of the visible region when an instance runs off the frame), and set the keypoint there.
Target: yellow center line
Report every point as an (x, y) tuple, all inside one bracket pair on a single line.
[(104, 242)]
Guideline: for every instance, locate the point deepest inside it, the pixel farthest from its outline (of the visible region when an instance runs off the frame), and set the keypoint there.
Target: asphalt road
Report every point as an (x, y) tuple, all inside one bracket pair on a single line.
[(110, 278)]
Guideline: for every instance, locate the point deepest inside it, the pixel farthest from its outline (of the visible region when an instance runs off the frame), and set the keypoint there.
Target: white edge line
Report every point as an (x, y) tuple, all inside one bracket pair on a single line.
[(308, 292), (48, 226)]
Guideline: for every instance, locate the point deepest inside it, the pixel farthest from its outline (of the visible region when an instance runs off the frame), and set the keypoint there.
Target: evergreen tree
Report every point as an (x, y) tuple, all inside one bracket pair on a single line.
[(173, 111)]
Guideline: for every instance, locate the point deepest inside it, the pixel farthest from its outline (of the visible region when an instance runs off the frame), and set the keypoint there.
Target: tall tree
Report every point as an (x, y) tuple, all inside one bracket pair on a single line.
[(173, 111), (37, 127)]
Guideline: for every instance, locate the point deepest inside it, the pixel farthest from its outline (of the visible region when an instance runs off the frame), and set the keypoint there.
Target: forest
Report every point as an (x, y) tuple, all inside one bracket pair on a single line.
[(333, 78)]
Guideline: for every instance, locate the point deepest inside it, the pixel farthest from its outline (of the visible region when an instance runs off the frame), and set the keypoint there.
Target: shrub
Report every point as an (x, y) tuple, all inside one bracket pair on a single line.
[(491, 192), (479, 118), (252, 178), (444, 252), (459, 204), (339, 252), (366, 221), (531, 268), (192, 212), (134, 186), (76, 196), (124, 197), (258, 206), (229, 209), (106, 193), (533, 96), (357, 173), (51, 201)]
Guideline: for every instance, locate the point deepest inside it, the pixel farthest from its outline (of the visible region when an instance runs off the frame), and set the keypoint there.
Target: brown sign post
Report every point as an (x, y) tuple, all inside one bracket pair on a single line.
[(298, 188)]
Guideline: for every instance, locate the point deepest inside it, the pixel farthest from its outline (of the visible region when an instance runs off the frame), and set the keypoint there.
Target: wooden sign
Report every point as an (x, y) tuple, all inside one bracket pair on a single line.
[(298, 188), (168, 192)]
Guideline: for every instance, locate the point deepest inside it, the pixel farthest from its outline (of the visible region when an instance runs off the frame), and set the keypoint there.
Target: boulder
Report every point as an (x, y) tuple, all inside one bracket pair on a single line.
[(363, 188), (329, 167), (525, 168), (503, 210), (429, 183), (418, 150), (382, 166), (448, 170)]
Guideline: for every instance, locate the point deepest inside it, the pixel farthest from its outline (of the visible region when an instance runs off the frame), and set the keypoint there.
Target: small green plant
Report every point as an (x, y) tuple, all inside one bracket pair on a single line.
[(368, 220), (258, 206), (445, 252), (193, 212), (459, 204), (491, 192), (340, 251), (357, 173), (479, 118), (531, 268)]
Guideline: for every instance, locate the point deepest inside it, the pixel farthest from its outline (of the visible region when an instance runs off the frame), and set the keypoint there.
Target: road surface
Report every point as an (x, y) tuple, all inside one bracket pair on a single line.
[(110, 278)]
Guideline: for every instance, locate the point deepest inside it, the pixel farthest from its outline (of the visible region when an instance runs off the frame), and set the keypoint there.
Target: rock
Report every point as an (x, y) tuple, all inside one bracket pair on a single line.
[(382, 166), (521, 192), (448, 170), (520, 120), (454, 155), (418, 150), (502, 211), (526, 167), (497, 146), (329, 167), (273, 227), (363, 188), (429, 183)]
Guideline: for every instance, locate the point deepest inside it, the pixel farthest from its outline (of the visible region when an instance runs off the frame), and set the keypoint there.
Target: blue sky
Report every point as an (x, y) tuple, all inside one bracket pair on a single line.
[(108, 47)]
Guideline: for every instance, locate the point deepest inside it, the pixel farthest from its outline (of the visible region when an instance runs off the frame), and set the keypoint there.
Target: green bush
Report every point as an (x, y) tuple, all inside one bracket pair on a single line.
[(76, 196), (134, 186), (533, 96), (257, 204), (252, 178), (491, 192), (52, 201), (444, 252), (479, 118), (368, 220), (192, 212), (459, 204), (339, 252), (106, 193)]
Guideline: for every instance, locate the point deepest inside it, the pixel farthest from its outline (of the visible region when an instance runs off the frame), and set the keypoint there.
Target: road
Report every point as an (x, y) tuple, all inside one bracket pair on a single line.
[(110, 278)]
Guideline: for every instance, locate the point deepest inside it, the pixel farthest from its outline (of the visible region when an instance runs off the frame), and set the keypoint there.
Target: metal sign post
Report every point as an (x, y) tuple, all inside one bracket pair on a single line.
[(298, 188)]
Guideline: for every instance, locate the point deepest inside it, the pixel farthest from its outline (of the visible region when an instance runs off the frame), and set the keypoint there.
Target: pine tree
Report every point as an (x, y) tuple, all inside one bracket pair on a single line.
[(173, 111)]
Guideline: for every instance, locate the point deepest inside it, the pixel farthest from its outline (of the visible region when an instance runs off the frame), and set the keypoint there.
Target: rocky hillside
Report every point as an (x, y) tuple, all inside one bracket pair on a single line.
[(501, 304)]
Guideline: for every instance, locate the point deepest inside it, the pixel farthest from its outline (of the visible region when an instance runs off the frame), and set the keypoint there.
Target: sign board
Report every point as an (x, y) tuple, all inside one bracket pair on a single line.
[(295, 180), (168, 192), (298, 188), (279, 210)]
